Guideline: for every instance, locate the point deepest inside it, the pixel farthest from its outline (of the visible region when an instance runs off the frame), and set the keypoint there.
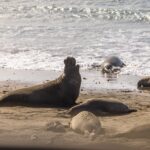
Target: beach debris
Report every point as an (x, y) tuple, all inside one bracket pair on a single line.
[(55, 126), (86, 123), (126, 90), (34, 137), (6, 85), (5, 91)]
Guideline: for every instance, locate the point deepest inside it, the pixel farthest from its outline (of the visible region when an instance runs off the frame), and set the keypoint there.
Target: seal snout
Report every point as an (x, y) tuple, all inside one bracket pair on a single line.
[(123, 64)]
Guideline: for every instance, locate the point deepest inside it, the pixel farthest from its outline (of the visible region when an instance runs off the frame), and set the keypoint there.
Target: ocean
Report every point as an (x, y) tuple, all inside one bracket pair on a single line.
[(40, 34)]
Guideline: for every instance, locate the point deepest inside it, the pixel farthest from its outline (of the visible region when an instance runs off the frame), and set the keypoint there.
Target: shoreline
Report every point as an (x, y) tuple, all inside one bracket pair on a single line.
[(92, 80)]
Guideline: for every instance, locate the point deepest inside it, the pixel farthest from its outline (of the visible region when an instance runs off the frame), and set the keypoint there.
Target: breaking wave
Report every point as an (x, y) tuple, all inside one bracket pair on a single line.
[(76, 12)]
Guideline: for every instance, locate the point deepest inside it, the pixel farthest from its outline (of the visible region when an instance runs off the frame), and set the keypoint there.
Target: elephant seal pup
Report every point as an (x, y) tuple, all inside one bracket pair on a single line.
[(86, 123), (101, 107), (61, 92), (112, 65), (144, 84)]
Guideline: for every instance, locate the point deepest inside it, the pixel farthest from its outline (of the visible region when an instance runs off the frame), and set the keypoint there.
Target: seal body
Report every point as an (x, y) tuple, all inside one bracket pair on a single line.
[(144, 84), (112, 64), (60, 92), (86, 122), (100, 107)]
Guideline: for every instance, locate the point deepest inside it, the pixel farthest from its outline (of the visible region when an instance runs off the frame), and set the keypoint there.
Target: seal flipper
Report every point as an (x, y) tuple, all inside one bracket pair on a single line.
[(5, 100), (131, 110)]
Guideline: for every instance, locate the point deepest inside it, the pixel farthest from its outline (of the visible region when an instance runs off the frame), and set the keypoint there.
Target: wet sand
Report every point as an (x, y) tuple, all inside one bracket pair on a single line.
[(29, 126)]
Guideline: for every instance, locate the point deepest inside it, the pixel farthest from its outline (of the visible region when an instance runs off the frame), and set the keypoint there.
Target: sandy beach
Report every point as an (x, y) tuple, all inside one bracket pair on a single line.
[(36, 39), (29, 126)]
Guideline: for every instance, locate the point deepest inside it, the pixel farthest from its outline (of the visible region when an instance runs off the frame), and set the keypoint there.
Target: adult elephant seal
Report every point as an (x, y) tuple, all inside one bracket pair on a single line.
[(101, 107), (144, 84), (60, 92), (112, 65), (86, 123)]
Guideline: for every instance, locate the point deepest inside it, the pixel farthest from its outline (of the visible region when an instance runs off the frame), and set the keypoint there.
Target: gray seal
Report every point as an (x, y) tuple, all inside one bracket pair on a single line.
[(112, 64), (62, 91), (101, 107)]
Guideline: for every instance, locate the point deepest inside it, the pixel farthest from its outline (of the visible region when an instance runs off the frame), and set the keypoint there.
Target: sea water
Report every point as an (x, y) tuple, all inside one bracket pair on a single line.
[(40, 34)]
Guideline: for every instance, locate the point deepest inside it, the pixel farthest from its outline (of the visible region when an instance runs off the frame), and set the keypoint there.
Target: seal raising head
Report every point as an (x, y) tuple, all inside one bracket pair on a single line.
[(112, 65), (62, 91)]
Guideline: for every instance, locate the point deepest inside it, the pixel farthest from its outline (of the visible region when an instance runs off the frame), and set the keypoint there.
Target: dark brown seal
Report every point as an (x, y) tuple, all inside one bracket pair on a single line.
[(144, 84), (60, 92), (101, 107)]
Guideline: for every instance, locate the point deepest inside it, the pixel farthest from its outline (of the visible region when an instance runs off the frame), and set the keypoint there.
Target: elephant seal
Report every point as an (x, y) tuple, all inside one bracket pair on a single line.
[(112, 65), (86, 123), (101, 107), (144, 84), (62, 91)]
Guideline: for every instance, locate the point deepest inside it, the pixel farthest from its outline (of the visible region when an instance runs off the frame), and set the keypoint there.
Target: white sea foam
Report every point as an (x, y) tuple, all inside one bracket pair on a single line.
[(131, 15), (41, 33)]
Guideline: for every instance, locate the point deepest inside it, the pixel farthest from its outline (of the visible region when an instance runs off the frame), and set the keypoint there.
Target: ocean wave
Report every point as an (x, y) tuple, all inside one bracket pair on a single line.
[(76, 12), (46, 61)]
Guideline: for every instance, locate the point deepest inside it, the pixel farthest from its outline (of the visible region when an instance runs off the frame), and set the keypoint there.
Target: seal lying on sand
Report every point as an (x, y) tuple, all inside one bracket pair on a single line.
[(144, 84), (101, 107), (86, 123), (60, 92), (112, 65)]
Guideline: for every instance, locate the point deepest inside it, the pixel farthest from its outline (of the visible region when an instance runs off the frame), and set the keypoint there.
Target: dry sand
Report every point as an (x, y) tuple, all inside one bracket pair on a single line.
[(37, 126)]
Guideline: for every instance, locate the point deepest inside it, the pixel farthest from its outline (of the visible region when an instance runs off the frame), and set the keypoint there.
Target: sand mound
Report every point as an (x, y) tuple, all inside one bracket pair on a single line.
[(138, 132)]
